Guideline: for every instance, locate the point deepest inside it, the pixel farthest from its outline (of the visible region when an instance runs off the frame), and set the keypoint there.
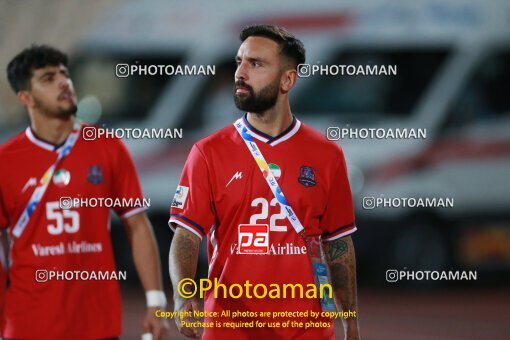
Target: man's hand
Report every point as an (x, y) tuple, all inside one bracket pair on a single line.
[(352, 330), (152, 324), (342, 266), (187, 306)]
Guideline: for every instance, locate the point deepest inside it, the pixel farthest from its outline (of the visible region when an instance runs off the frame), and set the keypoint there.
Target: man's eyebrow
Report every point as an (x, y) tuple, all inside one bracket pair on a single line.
[(47, 74), (252, 59)]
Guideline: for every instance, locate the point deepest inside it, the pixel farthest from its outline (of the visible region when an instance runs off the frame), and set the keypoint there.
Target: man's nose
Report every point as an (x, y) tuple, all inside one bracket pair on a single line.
[(241, 73), (64, 82)]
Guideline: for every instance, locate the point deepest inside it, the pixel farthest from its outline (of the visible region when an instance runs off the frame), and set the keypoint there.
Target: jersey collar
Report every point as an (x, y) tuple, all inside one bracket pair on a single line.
[(283, 136), (40, 142)]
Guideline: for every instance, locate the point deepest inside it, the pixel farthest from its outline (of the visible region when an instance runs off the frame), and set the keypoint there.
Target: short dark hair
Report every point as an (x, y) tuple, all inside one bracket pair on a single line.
[(290, 46), (21, 68)]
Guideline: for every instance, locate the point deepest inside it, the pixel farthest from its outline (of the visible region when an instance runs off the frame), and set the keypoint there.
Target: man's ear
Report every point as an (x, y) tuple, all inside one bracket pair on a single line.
[(25, 98), (288, 80)]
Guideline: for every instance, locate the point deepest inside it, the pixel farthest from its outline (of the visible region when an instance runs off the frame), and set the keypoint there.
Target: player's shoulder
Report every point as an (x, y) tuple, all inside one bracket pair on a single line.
[(13, 144), (318, 140), (219, 140)]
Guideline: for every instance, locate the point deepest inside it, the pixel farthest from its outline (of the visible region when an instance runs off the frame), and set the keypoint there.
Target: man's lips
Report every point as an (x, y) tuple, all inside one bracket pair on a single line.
[(242, 89), (67, 95)]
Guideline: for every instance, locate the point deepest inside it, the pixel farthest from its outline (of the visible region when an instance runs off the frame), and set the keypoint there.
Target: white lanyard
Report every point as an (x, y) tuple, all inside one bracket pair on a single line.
[(268, 175), (44, 182)]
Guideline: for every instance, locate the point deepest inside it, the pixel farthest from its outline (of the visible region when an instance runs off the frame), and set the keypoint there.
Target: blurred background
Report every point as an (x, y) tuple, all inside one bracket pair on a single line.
[(453, 60)]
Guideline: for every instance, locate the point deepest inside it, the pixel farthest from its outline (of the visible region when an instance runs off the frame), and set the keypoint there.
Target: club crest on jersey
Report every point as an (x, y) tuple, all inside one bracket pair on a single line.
[(61, 178), (180, 197), (95, 174), (307, 176)]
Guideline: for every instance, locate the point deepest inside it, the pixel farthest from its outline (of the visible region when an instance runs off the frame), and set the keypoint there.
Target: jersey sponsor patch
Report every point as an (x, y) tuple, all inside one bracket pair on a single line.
[(180, 197), (253, 239)]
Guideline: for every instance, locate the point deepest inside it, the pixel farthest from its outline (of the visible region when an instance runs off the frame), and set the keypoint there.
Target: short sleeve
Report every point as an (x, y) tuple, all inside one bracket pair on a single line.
[(338, 218), (192, 206), (125, 183)]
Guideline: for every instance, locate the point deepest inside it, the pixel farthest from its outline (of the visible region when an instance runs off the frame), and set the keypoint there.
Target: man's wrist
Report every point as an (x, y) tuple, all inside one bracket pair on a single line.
[(352, 330), (155, 298)]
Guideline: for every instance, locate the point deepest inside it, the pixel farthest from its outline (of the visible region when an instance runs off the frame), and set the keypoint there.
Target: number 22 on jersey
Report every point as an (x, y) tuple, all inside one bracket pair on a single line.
[(264, 214)]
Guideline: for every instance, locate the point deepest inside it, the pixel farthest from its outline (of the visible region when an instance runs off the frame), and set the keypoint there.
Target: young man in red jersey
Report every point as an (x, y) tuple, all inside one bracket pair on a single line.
[(222, 190), (47, 162)]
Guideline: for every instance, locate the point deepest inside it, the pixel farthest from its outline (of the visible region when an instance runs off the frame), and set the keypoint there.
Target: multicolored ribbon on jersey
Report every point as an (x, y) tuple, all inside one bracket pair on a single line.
[(268, 175), (45, 181)]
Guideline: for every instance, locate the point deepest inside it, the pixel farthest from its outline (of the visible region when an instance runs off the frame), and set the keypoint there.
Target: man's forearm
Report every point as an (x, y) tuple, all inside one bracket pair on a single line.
[(183, 256), (342, 265), (145, 252), (146, 259)]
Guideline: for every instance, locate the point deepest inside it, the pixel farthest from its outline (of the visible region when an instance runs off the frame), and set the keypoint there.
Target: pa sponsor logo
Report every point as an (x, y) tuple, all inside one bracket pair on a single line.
[(253, 239), (181, 194)]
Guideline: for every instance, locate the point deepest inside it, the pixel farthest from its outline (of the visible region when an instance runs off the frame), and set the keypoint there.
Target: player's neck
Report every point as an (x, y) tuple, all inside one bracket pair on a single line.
[(271, 122), (51, 129)]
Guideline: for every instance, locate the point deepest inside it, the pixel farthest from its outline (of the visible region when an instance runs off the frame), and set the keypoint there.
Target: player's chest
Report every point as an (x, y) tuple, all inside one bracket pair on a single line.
[(241, 184), (75, 176)]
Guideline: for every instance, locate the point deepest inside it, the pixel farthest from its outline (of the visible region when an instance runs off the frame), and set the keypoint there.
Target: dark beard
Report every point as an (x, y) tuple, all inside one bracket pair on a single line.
[(259, 102), (58, 112)]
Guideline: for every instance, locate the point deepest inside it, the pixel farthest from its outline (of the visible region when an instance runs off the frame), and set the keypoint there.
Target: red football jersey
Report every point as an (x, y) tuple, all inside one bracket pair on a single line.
[(56, 239), (222, 188)]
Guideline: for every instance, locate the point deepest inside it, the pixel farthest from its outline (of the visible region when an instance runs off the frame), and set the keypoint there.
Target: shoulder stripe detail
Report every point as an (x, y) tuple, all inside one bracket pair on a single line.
[(340, 232), (132, 212), (187, 223)]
